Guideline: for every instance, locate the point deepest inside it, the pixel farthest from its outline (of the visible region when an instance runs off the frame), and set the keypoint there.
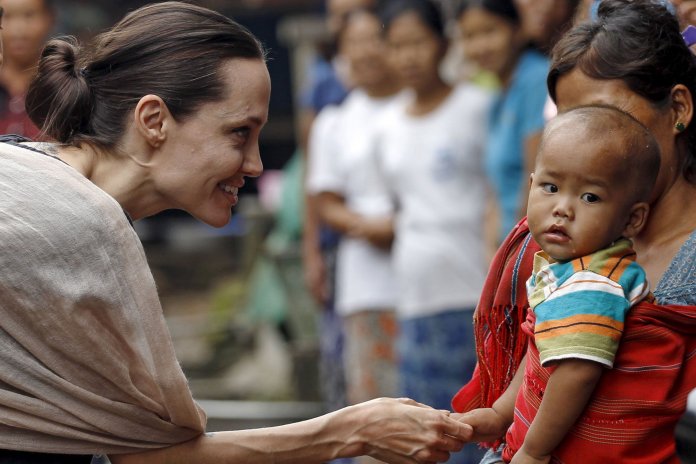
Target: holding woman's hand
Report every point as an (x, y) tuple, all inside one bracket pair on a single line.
[(404, 431), (488, 424)]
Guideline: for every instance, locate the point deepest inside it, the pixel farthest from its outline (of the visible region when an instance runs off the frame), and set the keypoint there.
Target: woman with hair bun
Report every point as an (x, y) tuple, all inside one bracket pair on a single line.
[(634, 58), (164, 111)]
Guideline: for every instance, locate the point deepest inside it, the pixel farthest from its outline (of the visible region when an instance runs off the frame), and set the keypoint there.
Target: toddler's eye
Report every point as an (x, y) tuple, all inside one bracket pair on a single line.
[(590, 197), (549, 188)]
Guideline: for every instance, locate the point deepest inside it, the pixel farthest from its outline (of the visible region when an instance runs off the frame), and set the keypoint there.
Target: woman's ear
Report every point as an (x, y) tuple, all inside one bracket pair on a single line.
[(636, 219), (150, 119), (682, 106)]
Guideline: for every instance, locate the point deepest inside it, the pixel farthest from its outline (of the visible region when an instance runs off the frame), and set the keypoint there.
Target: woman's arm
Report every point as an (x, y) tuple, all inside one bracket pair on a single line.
[(568, 390), (392, 430), (312, 260)]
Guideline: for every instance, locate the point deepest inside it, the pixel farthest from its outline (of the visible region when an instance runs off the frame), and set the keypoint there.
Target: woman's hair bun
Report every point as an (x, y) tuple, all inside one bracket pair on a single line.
[(59, 99)]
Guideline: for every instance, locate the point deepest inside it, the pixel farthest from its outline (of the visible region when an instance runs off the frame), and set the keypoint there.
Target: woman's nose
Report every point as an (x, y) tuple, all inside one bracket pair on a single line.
[(253, 166)]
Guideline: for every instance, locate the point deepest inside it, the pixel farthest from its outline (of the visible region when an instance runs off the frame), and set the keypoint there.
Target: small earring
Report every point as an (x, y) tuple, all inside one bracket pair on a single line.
[(679, 126)]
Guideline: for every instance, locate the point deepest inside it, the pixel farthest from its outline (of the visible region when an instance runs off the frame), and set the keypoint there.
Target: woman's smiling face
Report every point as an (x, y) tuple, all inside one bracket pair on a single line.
[(207, 155)]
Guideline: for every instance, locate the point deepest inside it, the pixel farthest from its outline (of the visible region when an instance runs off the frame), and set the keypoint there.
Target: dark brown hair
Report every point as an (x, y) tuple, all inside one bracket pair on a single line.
[(503, 8), (428, 11), (638, 42), (173, 50)]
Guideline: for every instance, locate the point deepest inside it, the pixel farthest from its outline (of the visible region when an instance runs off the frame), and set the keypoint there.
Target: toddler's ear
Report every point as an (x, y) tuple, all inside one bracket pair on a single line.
[(636, 219)]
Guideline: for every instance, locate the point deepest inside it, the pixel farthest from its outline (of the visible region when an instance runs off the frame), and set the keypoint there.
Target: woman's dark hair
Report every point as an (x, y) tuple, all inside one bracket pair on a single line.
[(504, 8), (173, 50), (638, 42), (427, 10)]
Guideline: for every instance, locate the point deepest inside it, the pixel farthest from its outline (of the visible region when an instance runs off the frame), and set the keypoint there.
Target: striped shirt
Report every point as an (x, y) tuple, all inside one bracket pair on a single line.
[(578, 307)]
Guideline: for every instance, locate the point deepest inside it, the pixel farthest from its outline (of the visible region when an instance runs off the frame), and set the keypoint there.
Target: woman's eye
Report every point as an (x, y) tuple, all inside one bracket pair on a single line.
[(241, 134), (590, 198), (549, 188)]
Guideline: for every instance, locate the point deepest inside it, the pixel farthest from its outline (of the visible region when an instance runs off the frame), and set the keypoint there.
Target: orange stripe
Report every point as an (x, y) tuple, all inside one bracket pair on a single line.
[(618, 272), (591, 318), (587, 329)]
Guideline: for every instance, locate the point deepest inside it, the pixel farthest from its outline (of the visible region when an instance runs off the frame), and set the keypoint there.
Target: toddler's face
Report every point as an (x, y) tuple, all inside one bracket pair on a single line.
[(578, 201)]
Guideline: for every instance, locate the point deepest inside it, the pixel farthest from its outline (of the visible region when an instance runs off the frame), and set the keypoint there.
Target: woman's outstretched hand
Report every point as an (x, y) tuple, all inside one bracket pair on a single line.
[(403, 431)]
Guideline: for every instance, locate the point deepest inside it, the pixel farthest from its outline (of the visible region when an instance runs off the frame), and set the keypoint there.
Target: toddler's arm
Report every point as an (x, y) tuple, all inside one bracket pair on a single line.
[(491, 423), (567, 393)]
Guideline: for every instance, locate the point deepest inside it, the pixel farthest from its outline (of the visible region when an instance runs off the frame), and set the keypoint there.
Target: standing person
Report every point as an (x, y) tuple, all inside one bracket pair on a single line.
[(87, 363), (583, 213), (544, 21), (494, 40), (26, 27), (633, 57), (351, 199), (431, 157), (327, 86)]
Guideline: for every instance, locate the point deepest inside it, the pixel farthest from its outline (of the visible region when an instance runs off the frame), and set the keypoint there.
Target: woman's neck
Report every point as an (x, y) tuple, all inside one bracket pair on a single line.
[(672, 219), (429, 97), (118, 175), (383, 89)]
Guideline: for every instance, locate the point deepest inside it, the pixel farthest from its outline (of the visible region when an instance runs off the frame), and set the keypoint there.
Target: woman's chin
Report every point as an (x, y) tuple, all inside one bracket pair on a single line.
[(215, 219)]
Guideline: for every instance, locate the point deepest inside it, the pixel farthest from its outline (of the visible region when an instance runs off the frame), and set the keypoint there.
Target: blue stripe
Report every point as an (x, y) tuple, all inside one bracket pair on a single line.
[(592, 302)]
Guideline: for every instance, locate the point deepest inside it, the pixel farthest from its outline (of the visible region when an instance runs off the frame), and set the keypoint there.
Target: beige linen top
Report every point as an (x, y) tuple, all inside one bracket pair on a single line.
[(86, 360)]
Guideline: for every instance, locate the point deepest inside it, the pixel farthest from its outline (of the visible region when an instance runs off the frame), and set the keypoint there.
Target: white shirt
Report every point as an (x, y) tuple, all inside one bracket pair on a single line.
[(343, 161), (433, 166)]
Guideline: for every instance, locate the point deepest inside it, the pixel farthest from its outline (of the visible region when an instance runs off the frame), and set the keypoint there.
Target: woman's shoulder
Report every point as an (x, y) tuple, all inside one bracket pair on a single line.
[(678, 284), (532, 71), (473, 93), (48, 193)]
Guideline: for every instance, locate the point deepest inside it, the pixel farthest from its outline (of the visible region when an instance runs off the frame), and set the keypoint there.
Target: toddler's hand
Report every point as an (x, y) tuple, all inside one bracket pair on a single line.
[(487, 423)]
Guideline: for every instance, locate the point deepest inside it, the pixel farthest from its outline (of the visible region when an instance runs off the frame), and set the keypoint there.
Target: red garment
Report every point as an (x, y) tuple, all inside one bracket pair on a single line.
[(631, 416), (503, 305)]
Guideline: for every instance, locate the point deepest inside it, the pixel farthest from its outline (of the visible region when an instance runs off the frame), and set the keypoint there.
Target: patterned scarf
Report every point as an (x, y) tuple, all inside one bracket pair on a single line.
[(502, 309)]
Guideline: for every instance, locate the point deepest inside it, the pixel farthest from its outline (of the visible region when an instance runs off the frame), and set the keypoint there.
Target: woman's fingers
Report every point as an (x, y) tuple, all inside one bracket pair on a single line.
[(456, 429)]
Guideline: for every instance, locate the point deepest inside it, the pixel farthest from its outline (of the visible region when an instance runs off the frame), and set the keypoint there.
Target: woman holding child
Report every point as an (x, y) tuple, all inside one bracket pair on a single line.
[(633, 58)]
